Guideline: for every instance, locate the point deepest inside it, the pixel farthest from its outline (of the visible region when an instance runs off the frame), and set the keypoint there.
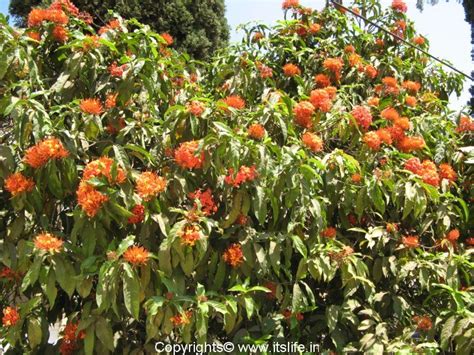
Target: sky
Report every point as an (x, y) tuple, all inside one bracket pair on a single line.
[(443, 24)]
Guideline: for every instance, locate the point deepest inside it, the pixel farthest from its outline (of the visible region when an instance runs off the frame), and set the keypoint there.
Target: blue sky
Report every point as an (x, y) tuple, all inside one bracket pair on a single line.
[(443, 24)]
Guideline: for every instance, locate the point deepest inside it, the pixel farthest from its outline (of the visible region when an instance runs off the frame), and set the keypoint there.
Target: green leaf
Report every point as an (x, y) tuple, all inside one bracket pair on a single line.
[(32, 274), (89, 341), (65, 274), (299, 245), (105, 333), (34, 332), (260, 205), (131, 290)]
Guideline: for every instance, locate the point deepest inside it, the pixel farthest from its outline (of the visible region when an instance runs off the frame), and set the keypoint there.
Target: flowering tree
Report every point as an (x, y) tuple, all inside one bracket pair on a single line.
[(309, 184)]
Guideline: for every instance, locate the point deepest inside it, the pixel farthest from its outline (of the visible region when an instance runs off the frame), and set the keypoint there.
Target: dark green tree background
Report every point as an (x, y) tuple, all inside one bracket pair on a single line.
[(199, 27)]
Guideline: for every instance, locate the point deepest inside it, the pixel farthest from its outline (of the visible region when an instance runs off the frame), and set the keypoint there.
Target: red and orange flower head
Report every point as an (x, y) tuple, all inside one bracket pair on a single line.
[(411, 86), (312, 141), (117, 70), (446, 171), (17, 183), (413, 165), (290, 4), (235, 101), (182, 318), (362, 116), (46, 150), (258, 36), (390, 85), (138, 214), (370, 71), (411, 241), (373, 101), (321, 100), (208, 205), (150, 185), (349, 48), (10, 317), (48, 242), (291, 70), (65, 5), (196, 108), (90, 199), (384, 135), (411, 101), (233, 255), (411, 144), (190, 235), (354, 59), (314, 28), (329, 232), (453, 236), (103, 167), (37, 16), (399, 5), (60, 34), (303, 112), (256, 131), (390, 114), (168, 38), (356, 178), (466, 124), (187, 155), (111, 25), (34, 35), (244, 174), (322, 80), (91, 106), (397, 133), (111, 100), (418, 40), (372, 140), (136, 255), (423, 323), (334, 65)]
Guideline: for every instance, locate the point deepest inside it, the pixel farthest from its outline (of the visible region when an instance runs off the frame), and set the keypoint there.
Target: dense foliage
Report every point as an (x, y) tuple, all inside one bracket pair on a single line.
[(198, 27), (309, 184)]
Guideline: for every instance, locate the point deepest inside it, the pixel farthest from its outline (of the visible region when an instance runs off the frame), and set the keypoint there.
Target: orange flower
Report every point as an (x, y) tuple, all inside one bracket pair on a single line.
[(70, 332), (334, 65), (399, 5), (362, 116), (402, 122), (90, 42), (349, 48), (453, 236), (136, 255), (111, 100), (419, 40), (256, 131), (244, 174), (112, 25), (391, 227), (17, 183), (411, 241), (242, 220), (466, 124), (233, 255), (91, 106), (168, 38), (190, 235), (411, 101), (321, 100), (314, 28), (37, 16), (48, 242), (90, 199), (354, 59), (411, 86), (329, 232), (423, 323), (257, 36), (138, 214), (265, 71), (410, 144), (291, 70), (196, 108), (303, 112), (235, 101), (312, 141), (372, 140), (356, 178), (288, 4), (9, 274), (46, 150), (150, 185), (371, 72), (397, 133), (188, 157), (208, 205), (10, 317), (384, 135), (34, 35), (322, 80), (182, 319), (103, 167), (117, 70), (390, 85), (60, 33), (373, 101), (447, 172), (390, 114), (413, 165)]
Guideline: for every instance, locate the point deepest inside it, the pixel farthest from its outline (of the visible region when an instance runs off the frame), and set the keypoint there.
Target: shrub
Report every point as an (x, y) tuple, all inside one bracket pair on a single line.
[(146, 197)]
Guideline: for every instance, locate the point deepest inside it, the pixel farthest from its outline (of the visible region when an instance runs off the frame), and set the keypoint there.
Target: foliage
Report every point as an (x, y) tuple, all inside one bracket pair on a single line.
[(148, 198), (198, 27)]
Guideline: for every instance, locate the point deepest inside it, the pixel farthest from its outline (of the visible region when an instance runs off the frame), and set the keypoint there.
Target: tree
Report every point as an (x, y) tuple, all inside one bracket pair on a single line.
[(199, 27)]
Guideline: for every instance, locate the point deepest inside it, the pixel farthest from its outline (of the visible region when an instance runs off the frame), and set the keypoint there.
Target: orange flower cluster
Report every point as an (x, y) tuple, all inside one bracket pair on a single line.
[(208, 205), (190, 235), (195, 108), (70, 338), (288, 314), (182, 319), (265, 71), (48, 242), (91, 106), (60, 33), (257, 36), (111, 25), (244, 174), (334, 65), (149, 185), (90, 199), (446, 171), (138, 214), (10, 317), (168, 38), (453, 236), (370, 71), (233, 255), (289, 4), (34, 35), (17, 183), (186, 157), (117, 70), (356, 178), (411, 86), (136, 255), (411, 241), (426, 170), (9, 274), (399, 5), (423, 323), (362, 116), (291, 70), (411, 101), (419, 40), (37, 16), (102, 167), (373, 101), (46, 150), (90, 42), (303, 112), (372, 140), (411, 144), (256, 131), (466, 124), (111, 100), (389, 87), (322, 80), (329, 232), (312, 141), (234, 101), (354, 59), (321, 99)]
